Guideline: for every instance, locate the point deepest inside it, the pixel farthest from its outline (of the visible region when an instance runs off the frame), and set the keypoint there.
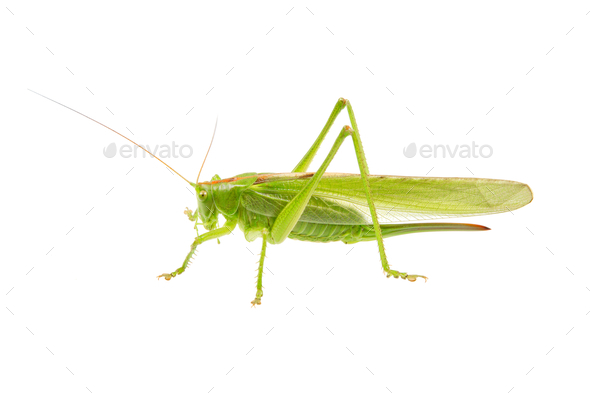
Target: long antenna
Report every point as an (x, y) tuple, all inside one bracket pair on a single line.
[(210, 144), (90, 118)]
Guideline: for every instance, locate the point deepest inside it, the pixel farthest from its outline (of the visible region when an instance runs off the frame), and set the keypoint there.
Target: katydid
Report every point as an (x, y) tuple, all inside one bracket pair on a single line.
[(325, 207)]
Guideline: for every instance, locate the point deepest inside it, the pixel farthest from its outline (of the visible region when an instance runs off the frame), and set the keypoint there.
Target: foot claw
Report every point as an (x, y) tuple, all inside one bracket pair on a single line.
[(256, 302), (413, 277), (167, 276), (258, 299), (404, 276)]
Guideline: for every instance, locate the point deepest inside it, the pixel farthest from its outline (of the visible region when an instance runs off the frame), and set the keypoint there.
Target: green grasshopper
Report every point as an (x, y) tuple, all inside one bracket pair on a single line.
[(326, 207)]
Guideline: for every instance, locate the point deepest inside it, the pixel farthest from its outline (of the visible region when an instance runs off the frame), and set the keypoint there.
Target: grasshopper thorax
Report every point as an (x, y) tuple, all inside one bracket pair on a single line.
[(221, 196)]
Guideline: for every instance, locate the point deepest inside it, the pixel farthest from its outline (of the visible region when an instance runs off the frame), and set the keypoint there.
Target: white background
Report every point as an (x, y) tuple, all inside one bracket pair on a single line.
[(505, 310)]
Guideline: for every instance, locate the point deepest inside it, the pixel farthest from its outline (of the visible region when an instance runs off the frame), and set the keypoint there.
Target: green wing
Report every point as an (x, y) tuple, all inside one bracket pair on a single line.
[(340, 198)]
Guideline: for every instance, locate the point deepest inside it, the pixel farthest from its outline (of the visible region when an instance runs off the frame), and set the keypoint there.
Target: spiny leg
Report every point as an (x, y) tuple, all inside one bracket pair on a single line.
[(257, 299), (214, 234), (288, 217), (308, 157), (185, 264), (364, 169)]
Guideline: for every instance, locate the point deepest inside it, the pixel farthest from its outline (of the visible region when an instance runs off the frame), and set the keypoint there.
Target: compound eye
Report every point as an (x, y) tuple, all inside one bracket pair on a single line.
[(203, 194)]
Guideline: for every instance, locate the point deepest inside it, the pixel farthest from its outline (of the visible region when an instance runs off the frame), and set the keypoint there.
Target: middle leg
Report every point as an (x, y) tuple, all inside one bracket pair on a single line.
[(257, 300)]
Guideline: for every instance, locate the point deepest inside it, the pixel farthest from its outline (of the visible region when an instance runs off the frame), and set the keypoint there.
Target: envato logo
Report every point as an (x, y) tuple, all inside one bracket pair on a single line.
[(461, 151), (162, 151)]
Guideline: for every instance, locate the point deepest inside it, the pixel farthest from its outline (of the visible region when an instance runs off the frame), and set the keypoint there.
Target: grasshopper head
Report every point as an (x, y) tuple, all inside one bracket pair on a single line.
[(207, 211)]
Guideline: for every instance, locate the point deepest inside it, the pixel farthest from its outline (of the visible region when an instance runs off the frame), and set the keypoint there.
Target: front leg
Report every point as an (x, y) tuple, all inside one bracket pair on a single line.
[(191, 216), (214, 234)]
